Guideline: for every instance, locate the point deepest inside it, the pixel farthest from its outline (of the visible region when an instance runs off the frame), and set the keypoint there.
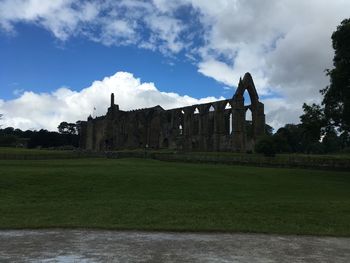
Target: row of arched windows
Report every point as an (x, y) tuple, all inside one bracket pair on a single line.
[(228, 122)]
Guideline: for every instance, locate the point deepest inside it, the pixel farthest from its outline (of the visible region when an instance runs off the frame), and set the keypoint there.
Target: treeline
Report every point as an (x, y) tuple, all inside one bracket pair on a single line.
[(296, 138), (315, 134), (324, 128), (10, 137)]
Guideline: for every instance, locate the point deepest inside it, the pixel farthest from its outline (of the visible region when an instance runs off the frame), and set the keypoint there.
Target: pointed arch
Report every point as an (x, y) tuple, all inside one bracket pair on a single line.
[(195, 121), (247, 84), (248, 113), (249, 123), (180, 129)]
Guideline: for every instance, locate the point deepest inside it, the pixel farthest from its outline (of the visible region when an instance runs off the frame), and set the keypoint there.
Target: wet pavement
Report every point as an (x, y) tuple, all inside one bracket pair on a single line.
[(62, 245)]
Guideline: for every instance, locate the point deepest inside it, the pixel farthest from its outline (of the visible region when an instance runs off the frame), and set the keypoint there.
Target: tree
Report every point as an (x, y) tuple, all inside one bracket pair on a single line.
[(8, 140), (67, 128), (337, 95), (268, 130), (331, 142), (292, 134), (280, 142), (345, 140), (312, 121)]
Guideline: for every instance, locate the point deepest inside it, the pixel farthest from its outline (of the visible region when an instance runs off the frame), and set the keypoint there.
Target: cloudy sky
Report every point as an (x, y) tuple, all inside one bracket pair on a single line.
[(61, 58)]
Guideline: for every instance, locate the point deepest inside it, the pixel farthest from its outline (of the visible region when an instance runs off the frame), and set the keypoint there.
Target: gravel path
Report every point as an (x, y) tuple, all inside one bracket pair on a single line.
[(132, 246)]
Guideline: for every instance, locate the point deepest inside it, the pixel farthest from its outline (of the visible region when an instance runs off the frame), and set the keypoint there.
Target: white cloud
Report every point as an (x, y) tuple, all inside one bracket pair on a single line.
[(166, 30), (46, 110), (217, 70), (110, 22), (279, 112), (58, 16), (117, 32)]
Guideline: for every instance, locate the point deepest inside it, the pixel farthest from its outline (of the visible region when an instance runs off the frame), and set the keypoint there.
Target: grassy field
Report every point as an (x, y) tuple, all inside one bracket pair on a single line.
[(154, 195), (23, 153)]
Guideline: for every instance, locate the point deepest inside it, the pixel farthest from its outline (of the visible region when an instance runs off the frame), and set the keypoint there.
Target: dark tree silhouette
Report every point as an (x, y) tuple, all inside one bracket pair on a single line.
[(312, 121), (337, 95), (43, 138), (67, 128), (289, 138)]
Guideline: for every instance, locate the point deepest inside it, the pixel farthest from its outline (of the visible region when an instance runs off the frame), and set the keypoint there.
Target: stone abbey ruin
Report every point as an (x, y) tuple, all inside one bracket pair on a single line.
[(214, 126)]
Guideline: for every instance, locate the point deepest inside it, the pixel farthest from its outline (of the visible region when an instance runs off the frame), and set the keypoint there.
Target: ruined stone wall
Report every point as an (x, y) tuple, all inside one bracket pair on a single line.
[(215, 126)]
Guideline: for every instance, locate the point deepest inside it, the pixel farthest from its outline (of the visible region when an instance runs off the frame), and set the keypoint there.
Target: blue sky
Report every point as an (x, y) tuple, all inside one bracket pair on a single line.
[(59, 59), (45, 64)]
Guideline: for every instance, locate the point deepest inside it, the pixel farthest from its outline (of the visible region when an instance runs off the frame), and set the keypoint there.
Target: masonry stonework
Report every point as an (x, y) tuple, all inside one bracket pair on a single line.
[(214, 126)]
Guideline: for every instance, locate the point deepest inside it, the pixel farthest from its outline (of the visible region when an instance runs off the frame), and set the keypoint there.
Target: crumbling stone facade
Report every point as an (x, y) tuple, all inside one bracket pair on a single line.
[(214, 126)]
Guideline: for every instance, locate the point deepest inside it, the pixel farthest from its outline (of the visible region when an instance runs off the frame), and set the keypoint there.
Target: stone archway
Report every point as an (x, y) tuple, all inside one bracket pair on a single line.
[(239, 114)]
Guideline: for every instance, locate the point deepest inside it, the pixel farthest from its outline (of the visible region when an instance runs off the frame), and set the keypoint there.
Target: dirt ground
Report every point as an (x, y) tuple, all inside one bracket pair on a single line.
[(62, 245)]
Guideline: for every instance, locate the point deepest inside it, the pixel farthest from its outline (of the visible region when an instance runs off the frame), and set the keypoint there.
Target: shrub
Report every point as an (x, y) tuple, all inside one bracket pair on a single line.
[(315, 148), (266, 146), (8, 140)]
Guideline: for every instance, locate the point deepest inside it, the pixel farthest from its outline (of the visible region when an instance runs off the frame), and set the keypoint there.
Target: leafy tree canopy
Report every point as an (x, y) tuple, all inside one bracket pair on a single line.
[(312, 121), (337, 95), (67, 128)]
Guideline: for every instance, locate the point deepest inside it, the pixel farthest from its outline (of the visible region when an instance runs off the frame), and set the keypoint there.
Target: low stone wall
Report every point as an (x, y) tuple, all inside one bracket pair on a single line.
[(288, 161)]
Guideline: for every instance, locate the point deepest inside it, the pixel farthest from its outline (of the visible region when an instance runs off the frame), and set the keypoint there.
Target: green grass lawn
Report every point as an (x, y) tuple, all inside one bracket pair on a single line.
[(23, 153), (154, 195)]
